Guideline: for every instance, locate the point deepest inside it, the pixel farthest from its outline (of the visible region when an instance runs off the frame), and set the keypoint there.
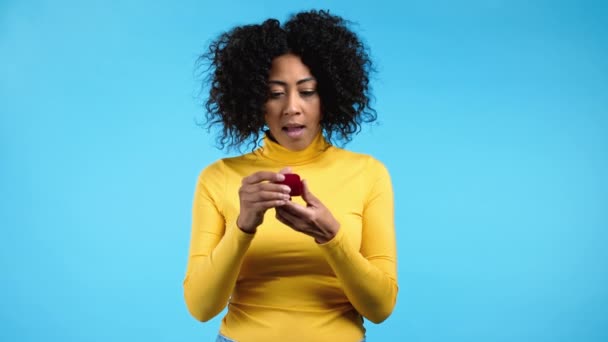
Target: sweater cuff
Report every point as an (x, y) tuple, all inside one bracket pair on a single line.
[(336, 241), (242, 239)]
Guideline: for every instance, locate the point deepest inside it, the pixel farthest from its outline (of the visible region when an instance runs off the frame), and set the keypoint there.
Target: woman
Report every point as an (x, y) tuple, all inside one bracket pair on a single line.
[(291, 268)]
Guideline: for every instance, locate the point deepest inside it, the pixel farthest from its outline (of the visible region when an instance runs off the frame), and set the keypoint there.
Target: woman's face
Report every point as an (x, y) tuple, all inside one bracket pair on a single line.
[(293, 108)]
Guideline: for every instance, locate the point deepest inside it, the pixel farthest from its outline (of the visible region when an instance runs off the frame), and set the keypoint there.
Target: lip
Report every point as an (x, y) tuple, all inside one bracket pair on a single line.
[(294, 130), (292, 124)]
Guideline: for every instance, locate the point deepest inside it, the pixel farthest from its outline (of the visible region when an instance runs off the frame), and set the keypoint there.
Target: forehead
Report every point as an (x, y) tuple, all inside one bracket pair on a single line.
[(288, 67)]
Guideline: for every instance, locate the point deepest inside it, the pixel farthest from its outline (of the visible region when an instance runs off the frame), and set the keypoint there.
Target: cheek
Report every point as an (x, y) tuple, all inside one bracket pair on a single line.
[(270, 110), (267, 111), (317, 109), (270, 117)]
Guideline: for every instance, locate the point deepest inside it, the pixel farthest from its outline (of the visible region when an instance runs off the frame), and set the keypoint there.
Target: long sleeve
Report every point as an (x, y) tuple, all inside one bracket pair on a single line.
[(369, 275), (279, 284), (217, 249)]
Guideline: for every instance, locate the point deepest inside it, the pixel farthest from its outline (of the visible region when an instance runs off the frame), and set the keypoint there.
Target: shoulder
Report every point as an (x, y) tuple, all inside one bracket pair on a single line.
[(220, 165), (212, 170), (226, 169), (215, 177), (366, 161)]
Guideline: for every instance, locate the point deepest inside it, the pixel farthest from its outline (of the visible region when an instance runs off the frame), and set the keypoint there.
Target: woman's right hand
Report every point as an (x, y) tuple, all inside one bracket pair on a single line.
[(257, 194)]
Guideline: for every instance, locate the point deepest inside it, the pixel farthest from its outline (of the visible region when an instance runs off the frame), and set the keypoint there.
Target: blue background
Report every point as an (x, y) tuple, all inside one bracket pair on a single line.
[(493, 123)]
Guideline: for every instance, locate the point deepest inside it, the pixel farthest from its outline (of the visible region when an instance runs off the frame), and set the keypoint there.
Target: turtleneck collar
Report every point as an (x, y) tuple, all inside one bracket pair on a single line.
[(274, 151)]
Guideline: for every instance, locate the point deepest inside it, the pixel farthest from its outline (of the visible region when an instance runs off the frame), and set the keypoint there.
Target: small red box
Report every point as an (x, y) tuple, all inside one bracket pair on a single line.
[(293, 181)]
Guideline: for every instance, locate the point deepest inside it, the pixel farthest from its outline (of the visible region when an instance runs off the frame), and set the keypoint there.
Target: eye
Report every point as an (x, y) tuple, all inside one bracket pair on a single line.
[(308, 93), (276, 94)]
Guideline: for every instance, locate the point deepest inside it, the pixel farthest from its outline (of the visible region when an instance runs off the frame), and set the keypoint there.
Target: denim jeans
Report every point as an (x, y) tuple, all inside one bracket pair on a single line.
[(222, 338)]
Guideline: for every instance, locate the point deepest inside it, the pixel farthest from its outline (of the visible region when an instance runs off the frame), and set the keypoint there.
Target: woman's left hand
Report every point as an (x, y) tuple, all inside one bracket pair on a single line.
[(314, 219)]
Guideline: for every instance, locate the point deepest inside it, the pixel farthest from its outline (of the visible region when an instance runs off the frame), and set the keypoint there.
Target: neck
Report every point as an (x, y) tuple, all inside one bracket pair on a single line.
[(273, 150)]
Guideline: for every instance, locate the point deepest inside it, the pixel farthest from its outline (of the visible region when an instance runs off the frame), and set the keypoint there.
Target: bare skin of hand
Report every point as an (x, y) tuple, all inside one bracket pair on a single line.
[(314, 220), (258, 194)]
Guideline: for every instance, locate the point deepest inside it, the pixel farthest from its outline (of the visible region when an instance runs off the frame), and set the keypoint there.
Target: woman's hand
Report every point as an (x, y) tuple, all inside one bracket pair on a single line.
[(314, 220), (258, 194)]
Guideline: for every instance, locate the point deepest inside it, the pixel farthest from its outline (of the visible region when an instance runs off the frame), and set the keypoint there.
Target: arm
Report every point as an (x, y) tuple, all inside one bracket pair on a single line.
[(369, 276), (217, 249)]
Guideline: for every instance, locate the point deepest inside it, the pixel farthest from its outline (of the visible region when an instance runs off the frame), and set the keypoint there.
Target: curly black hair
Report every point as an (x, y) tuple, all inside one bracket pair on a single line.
[(239, 62)]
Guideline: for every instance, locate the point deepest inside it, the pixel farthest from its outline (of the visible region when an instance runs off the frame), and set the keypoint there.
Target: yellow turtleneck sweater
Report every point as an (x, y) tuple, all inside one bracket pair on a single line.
[(278, 283)]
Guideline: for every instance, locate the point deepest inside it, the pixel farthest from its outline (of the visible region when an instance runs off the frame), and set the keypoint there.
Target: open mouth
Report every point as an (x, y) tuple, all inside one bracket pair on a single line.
[(294, 131)]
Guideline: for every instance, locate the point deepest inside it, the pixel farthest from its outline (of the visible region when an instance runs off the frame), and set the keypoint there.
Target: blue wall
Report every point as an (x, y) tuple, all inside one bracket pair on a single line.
[(493, 123)]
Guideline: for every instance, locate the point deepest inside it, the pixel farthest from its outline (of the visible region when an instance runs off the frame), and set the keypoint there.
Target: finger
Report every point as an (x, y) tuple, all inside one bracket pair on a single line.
[(285, 170), (265, 205), (307, 196), (261, 196), (296, 210), (282, 219), (261, 176), (285, 218), (270, 187), (294, 222), (291, 217)]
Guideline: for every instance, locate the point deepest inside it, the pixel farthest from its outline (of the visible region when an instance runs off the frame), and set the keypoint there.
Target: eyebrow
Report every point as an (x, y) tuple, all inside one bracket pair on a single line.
[(283, 83)]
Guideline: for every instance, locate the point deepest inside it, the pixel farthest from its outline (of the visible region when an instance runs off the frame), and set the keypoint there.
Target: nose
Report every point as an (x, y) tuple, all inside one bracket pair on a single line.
[(292, 104)]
